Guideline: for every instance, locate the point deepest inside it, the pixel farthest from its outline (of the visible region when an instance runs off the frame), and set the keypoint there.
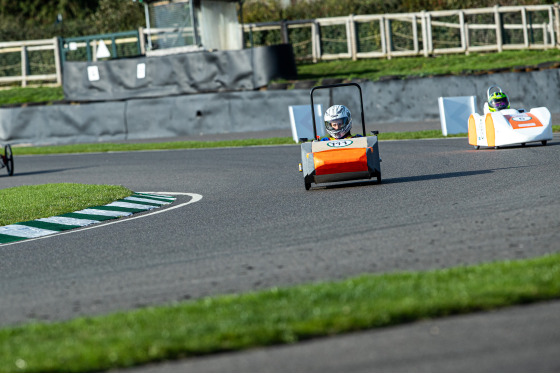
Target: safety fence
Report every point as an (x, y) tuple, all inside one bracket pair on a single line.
[(29, 61), (352, 37), (413, 34)]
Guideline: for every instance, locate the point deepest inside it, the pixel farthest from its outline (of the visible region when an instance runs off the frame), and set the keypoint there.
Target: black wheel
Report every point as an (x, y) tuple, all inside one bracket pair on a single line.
[(307, 186), (9, 159), (378, 177), (544, 142), (496, 147), (523, 144), (476, 147)]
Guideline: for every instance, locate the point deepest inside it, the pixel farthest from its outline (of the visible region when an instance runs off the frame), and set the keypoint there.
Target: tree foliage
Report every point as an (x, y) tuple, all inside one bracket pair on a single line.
[(39, 19), (272, 10)]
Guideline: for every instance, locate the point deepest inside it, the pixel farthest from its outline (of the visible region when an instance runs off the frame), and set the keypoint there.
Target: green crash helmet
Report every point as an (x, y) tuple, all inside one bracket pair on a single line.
[(498, 101)]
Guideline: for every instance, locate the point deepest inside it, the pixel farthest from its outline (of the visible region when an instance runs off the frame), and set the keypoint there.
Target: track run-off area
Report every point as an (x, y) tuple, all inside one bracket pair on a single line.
[(254, 226)]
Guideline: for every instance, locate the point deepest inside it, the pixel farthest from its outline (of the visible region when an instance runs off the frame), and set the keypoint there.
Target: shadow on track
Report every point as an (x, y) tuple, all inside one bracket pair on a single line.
[(418, 178), (16, 174)]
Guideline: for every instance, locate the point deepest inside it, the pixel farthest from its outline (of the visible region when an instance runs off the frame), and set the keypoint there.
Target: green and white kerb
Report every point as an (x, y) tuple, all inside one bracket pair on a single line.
[(136, 203)]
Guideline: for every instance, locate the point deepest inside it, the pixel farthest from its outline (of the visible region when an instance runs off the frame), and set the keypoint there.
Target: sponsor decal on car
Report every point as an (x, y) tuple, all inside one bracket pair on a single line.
[(339, 143), (523, 118)]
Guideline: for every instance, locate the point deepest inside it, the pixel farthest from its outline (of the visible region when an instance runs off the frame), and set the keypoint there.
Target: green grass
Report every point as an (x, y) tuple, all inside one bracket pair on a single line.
[(20, 95), (275, 316), (373, 69), (25, 203), (125, 147)]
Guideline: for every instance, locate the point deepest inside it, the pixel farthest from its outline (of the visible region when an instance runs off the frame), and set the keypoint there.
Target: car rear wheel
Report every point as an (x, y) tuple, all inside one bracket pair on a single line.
[(9, 159)]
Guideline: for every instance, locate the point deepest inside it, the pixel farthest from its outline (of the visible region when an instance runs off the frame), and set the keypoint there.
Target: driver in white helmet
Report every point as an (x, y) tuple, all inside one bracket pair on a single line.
[(338, 123)]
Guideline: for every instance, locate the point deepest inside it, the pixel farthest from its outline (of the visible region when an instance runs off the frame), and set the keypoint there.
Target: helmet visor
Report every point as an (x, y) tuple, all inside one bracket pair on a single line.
[(336, 124), (499, 103)]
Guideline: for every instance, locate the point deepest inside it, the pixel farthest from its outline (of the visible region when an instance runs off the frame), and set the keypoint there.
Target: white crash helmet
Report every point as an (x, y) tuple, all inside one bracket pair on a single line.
[(338, 114)]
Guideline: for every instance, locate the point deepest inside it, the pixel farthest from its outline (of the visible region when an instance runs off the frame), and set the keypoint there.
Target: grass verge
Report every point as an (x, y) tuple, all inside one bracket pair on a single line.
[(276, 316), (126, 147), (373, 69), (25, 203)]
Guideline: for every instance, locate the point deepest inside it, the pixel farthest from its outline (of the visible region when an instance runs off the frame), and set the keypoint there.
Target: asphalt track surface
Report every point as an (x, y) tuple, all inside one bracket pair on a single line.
[(441, 204)]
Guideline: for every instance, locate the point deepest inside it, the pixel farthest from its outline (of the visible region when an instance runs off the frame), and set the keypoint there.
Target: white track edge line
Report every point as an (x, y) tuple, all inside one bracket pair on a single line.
[(195, 198)]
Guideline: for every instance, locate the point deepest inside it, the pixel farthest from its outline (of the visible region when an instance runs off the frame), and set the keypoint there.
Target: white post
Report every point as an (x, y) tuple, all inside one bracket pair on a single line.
[(315, 41), (57, 64), (415, 34), (389, 38), (462, 30), (424, 34), (525, 31), (23, 66), (550, 27), (467, 38), (429, 30), (557, 20), (498, 21), (147, 17), (383, 38), (142, 41), (352, 38)]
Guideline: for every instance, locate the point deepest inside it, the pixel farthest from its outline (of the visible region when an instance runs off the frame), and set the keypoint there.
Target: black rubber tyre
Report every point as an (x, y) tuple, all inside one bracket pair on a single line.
[(9, 159), (477, 147), (378, 177), (307, 186), (544, 142)]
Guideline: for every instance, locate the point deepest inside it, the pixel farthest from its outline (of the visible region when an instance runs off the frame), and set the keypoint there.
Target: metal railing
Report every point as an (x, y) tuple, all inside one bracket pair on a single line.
[(121, 44), (414, 34)]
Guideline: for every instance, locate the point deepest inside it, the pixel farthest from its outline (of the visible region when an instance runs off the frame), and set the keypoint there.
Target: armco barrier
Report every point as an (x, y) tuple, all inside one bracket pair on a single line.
[(406, 100)]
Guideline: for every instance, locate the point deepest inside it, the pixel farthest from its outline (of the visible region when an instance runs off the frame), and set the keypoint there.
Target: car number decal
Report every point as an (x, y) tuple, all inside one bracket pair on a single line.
[(339, 143)]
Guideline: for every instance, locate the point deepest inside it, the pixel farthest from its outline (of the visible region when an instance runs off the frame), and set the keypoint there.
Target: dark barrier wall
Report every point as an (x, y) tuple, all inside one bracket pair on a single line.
[(411, 101), (185, 73)]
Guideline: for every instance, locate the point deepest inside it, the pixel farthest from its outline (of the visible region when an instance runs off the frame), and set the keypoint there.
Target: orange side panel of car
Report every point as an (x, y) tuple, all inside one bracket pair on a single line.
[(472, 131), (490, 131), (340, 161)]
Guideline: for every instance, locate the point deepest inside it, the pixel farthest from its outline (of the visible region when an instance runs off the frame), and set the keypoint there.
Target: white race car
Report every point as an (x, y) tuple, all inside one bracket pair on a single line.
[(509, 126)]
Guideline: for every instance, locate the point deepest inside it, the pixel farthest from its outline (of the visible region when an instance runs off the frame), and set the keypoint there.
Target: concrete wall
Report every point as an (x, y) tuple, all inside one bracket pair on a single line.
[(410, 100)]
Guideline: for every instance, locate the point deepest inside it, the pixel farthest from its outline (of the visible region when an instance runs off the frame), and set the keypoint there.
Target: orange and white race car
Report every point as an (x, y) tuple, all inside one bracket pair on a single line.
[(324, 161), (509, 126)]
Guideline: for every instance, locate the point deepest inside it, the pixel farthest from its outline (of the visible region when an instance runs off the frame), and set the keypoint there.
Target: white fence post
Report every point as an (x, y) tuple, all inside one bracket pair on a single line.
[(525, 31), (462, 31), (557, 21), (57, 64), (23, 66), (315, 41), (382, 36), (415, 34), (352, 38), (388, 37), (429, 31), (498, 21), (550, 28), (424, 33)]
